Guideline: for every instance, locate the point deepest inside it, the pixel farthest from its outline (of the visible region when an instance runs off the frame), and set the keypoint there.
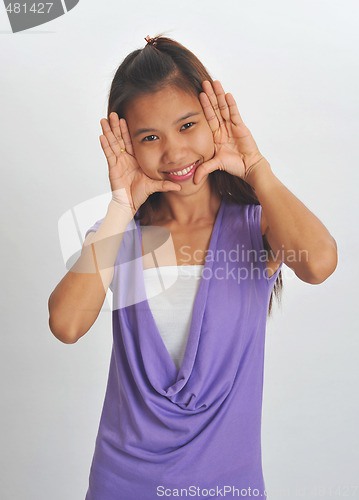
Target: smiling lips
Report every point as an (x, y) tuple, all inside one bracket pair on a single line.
[(183, 174)]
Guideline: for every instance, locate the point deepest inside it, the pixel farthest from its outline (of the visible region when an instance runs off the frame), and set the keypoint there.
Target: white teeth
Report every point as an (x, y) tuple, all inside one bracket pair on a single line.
[(183, 172)]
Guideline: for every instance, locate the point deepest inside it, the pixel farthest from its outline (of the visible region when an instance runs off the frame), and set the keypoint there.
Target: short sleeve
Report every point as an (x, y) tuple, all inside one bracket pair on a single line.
[(255, 214), (95, 227)]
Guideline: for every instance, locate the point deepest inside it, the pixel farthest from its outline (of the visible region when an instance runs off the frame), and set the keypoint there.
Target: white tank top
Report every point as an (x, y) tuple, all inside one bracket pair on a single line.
[(171, 291)]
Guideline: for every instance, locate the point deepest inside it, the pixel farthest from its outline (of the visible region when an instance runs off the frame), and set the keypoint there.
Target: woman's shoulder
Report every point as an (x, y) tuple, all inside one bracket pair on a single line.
[(244, 212)]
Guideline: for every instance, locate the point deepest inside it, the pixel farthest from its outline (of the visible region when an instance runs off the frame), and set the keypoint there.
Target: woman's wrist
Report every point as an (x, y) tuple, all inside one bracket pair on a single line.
[(125, 209), (255, 172)]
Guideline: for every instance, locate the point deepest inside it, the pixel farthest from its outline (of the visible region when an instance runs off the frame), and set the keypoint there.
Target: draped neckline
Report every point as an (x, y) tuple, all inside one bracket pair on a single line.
[(170, 376)]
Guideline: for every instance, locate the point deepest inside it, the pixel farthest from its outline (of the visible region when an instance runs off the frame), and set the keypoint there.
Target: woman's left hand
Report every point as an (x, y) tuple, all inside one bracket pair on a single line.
[(235, 148)]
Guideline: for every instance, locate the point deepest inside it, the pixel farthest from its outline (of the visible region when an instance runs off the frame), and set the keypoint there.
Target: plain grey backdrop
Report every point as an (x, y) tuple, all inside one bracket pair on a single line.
[(293, 70)]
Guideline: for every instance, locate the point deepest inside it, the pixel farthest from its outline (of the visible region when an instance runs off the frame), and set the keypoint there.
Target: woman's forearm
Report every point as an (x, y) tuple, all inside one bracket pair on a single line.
[(77, 300), (294, 233)]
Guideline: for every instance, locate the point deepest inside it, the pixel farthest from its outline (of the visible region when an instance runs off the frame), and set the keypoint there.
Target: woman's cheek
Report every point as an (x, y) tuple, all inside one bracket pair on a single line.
[(140, 155), (206, 144), (145, 160)]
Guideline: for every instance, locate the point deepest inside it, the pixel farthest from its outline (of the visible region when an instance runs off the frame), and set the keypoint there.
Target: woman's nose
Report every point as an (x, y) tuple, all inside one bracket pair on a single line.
[(174, 151)]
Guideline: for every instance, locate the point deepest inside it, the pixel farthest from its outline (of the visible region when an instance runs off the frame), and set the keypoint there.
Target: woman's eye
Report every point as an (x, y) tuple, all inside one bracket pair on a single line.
[(148, 138), (189, 123), (151, 138)]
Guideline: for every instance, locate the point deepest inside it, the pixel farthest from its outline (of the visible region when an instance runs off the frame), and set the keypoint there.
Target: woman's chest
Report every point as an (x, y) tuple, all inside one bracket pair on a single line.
[(163, 246)]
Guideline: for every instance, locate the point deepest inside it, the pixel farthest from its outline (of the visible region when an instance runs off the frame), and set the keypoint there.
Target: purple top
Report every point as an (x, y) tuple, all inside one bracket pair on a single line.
[(199, 427)]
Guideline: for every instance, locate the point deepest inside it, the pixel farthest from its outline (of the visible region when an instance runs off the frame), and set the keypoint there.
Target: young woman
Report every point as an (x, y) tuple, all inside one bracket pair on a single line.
[(193, 198)]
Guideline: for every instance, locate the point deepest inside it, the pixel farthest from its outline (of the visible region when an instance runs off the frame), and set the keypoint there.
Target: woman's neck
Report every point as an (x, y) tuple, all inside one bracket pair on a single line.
[(183, 210)]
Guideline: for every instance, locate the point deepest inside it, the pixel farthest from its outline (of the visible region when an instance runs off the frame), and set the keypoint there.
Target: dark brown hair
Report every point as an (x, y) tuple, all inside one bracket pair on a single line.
[(163, 62)]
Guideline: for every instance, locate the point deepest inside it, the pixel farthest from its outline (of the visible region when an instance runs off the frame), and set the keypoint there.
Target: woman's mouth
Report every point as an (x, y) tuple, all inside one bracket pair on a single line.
[(184, 174)]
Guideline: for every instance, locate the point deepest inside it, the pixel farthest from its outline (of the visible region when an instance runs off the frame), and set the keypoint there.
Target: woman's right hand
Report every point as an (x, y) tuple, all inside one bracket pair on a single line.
[(129, 184)]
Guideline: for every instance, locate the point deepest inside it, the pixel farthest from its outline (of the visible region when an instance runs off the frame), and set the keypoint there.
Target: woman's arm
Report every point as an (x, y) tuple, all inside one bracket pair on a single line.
[(294, 233), (77, 300)]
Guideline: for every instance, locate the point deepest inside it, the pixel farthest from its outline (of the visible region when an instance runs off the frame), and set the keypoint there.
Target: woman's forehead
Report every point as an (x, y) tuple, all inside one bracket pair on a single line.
[(166, 104)]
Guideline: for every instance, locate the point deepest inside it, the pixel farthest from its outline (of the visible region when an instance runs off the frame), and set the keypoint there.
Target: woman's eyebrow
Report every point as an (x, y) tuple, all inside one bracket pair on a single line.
[(145, 130)]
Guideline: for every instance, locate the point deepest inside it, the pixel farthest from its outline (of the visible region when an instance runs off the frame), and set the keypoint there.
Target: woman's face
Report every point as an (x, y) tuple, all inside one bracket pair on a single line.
[(169, 132)]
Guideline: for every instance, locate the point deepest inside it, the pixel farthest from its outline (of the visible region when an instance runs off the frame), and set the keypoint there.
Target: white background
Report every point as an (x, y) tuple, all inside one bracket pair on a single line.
[(293, 69)]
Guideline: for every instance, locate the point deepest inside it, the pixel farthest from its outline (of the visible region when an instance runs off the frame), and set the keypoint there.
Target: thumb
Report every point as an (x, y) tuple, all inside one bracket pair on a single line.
[(164, 186), (206, 168)]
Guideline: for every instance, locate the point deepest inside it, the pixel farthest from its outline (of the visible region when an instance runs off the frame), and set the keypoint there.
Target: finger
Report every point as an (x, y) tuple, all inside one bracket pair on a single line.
[(222, 103), (111, 139), (115, 126), (209, 112), (207, 87), (163, 186), (126, 137), (110, 155), (233, 110), (206, 168)]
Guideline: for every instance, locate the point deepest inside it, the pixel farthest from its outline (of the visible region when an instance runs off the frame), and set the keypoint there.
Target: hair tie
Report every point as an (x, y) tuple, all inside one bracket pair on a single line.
[(150, 41)]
